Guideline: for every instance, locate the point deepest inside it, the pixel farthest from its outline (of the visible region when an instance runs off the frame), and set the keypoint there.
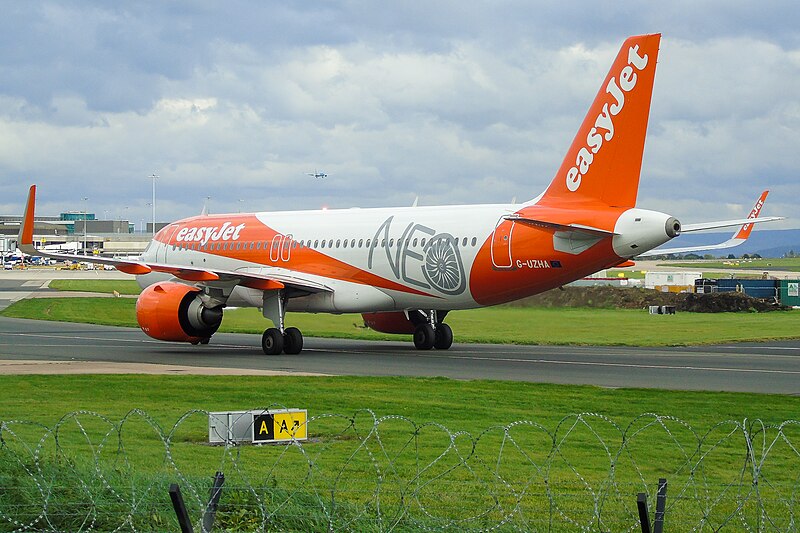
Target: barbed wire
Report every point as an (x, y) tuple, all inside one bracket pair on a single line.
[(363, 472)]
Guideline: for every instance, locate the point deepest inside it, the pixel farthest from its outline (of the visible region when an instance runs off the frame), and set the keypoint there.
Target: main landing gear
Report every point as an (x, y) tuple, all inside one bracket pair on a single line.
[(290, 342), (279, 339), (433, 333)]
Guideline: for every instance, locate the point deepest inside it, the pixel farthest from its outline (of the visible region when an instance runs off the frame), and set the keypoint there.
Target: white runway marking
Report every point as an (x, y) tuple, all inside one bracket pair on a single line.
[(452, 356)]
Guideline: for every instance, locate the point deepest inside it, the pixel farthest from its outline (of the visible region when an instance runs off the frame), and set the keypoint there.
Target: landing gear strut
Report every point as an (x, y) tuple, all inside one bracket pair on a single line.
[(431, 331), (279, 339)]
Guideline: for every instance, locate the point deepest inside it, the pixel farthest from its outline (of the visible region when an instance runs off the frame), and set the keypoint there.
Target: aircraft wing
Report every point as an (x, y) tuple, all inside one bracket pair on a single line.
[(738, 237), (270, 281)]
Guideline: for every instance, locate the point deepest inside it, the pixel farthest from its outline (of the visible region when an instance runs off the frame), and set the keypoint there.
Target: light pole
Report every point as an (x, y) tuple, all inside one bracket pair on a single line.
[(85, 199), (154, 177)]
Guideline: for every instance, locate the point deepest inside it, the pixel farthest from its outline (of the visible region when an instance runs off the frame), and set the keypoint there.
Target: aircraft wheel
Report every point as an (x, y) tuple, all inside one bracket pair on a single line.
[(205, 340), (272, 341), (444, 337), (292, 341), (424, 337)]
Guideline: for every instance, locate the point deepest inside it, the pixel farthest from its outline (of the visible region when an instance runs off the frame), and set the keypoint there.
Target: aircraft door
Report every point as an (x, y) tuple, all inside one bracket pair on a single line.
[(501, 244), (162, 251)]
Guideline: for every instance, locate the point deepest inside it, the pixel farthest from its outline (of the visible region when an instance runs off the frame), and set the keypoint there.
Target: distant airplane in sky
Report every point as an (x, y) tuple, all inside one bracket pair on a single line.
[(317, 174), (405, 268)]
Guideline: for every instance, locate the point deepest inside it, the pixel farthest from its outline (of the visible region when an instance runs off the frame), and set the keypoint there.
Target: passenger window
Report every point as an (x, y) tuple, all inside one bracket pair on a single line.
[(316, 243), (352, 243), (391, 242), (464, 242), (323, 244), (422, 242), (474, 241), (330, 243), (360, 243), (344, 244), (338, 242)]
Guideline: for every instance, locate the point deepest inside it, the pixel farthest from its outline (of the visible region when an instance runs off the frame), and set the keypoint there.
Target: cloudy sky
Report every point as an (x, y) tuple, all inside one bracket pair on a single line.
[(454, 102)]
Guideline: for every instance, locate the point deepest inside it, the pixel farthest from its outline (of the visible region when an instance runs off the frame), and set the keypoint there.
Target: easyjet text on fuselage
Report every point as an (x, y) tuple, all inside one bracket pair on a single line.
[(226, 232)]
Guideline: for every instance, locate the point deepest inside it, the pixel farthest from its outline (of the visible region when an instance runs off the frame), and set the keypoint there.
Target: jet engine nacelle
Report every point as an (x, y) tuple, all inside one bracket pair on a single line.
[(171, 311), (391, 322)]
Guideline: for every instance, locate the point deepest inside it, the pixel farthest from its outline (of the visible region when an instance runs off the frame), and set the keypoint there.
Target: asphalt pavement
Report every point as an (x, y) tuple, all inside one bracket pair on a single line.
[(753, 367)]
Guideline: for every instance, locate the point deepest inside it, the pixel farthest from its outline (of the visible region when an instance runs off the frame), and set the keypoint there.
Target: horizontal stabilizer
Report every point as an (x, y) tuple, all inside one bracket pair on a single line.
[(555, 226), (745, 226), (689, 228)]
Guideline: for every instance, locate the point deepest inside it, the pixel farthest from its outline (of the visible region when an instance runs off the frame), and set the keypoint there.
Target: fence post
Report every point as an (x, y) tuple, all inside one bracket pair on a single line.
[(213, 502), (661, 503), (180, 508), (644, 517)]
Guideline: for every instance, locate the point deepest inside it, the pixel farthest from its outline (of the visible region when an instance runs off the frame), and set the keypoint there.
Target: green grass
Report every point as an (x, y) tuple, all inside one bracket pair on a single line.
[(471, 406), (788, 264), (105, 286), (489, 325)]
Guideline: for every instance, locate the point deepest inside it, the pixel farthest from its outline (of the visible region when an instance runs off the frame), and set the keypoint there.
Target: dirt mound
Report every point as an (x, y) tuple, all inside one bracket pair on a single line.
[(638, 298)]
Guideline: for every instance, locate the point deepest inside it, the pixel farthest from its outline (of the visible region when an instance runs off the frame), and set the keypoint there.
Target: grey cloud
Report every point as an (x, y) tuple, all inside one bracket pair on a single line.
[(455, 102)]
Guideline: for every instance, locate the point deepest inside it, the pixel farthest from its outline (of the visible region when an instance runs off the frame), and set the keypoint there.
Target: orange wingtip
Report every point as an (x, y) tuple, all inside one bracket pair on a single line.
[(745, 230), (26, 231)]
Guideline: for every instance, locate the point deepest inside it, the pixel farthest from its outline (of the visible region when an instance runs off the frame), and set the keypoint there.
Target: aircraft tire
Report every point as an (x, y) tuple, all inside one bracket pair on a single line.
[(272, 342), (292, 341), (205, 340), (424, 337), (444, 337)]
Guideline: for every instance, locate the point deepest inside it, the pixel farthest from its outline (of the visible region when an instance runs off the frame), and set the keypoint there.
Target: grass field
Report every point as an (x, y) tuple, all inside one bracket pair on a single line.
[(348, 458), (788, 264), (103, 286)]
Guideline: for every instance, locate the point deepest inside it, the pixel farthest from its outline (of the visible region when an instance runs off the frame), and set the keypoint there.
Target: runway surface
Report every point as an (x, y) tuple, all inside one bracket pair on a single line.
[(767, 368)]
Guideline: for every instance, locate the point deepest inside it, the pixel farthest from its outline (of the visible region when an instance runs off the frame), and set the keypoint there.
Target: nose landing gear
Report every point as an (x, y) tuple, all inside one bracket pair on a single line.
[(279, 340)]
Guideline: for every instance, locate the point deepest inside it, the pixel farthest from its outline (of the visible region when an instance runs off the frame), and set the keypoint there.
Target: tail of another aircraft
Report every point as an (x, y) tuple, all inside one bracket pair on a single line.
[(605, 158)]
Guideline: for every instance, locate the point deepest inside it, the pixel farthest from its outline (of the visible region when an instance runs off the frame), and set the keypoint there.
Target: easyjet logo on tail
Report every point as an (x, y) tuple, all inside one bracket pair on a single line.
[(604, 123)]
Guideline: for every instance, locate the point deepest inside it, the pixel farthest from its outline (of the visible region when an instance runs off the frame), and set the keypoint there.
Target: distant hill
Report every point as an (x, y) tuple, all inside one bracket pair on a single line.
[(766, 243)]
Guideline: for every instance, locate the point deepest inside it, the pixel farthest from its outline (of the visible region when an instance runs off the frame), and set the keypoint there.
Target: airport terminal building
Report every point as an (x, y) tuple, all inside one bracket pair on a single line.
[(79, 232)]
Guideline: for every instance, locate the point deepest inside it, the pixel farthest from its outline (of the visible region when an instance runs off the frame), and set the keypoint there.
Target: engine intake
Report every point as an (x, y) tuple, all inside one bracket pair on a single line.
[(174, 312)]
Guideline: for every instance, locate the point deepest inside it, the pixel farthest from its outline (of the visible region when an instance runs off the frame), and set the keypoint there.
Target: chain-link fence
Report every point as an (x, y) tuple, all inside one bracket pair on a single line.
[(362, 472)]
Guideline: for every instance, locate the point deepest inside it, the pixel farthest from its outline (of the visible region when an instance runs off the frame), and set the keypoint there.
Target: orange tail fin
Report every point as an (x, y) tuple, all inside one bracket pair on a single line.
[(605, 158)]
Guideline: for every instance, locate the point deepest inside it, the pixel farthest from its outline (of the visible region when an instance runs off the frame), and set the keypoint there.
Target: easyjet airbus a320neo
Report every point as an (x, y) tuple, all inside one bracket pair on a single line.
[(404, 269)]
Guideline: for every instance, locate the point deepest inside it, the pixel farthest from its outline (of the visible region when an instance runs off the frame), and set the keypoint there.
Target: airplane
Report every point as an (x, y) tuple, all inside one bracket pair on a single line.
[(405, 268), (317, 174), (739, 236)]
